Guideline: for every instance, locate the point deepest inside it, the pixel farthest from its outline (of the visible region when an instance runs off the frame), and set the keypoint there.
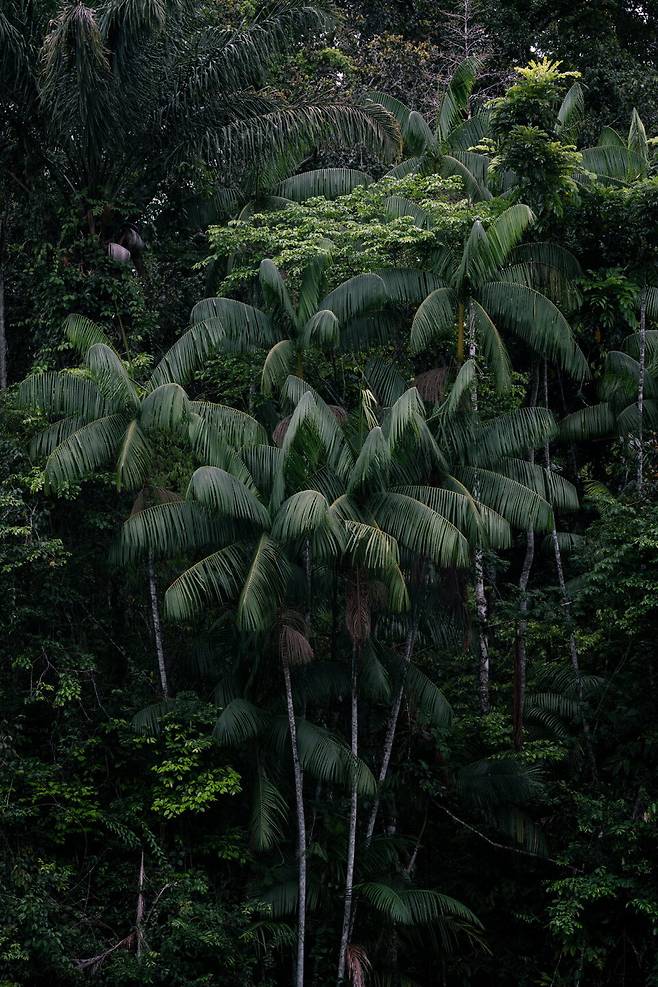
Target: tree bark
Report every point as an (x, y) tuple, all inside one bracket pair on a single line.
[(157, 628), (391, 726), (482, 610), (351, 839), (298, 975), (640, 390), (566, 602), (139, 917), (3, 328), (521, 660)]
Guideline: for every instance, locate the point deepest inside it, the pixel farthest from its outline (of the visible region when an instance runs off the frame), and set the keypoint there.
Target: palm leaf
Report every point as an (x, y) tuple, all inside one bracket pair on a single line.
[(420, 529), (167, 530), (268, 815), (86, 450), (537, 321), (83, 333), (327, 182), (217, 578), (518, 504), (221, 492), (134, 458), (264, 586), (166, 408), (397, 207), (434, 321), (431, 705)]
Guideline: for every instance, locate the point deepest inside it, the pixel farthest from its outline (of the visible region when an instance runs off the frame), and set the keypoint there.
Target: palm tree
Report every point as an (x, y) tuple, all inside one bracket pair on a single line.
[(104, 419), (444, 150), (121, 97), (492, 283), (628, 391), (291, 326), (622, 160), (346, 508)]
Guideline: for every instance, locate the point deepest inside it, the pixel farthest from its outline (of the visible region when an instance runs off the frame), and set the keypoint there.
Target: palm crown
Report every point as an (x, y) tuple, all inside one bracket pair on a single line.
[(446, 148)]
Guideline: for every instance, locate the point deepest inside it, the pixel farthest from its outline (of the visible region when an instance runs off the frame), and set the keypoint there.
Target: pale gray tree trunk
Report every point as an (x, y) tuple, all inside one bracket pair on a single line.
[(391, 726), (521, 653), (351, 838), (157, 627), (298, 975), (139, 917), (3, 326), (640, 390), (481, 606), (387, 749), (566, 603)]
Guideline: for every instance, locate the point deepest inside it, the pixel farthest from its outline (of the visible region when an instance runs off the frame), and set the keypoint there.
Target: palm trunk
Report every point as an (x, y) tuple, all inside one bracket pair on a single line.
[(3, 329), (521, 660), (387, 749), (460, 333), (484, 664), (139, 917), (566, 603), (391, 726), (520, 663), (157, 628), (351, 839), (640, 391), (481, 610), (298, 976)]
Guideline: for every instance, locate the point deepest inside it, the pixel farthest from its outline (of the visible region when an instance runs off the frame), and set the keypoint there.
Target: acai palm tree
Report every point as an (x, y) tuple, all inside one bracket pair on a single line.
[(106, 420)]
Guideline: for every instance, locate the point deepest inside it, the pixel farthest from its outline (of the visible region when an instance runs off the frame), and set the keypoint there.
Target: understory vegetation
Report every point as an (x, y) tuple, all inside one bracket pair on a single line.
[(328, 474)]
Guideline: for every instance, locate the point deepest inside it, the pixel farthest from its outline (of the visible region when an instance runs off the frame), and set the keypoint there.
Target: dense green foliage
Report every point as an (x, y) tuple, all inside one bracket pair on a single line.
[(328, 475)]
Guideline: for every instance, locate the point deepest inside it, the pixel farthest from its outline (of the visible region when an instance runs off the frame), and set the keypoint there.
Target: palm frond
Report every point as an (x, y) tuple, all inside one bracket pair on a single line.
[(434, 320), (397, 207), (216, 578), (330, 183), (269, 813), (430, 703), (223, 493), (264, 586), (166, 407), (133, 459), (64, 394), (453, 105), (240, 722), (591, 422), (420, 529), (167, 530), (86, 450), (325, 757), (83, 333), (518, 504), (536, 320)]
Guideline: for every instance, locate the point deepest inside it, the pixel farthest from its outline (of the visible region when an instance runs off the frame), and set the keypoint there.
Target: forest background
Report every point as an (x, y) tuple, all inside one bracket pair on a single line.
[(328, 524)]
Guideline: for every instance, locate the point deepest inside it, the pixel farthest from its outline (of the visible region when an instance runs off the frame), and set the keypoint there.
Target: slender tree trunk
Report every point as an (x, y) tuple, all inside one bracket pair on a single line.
[(481, 607), (640, 390), (157, 628), (521, 661), (566, 603), (3, 328), (520, 664), (298, 976), (387, 750), (391, 726), (460, 333), (139, 917), (351, 839)]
